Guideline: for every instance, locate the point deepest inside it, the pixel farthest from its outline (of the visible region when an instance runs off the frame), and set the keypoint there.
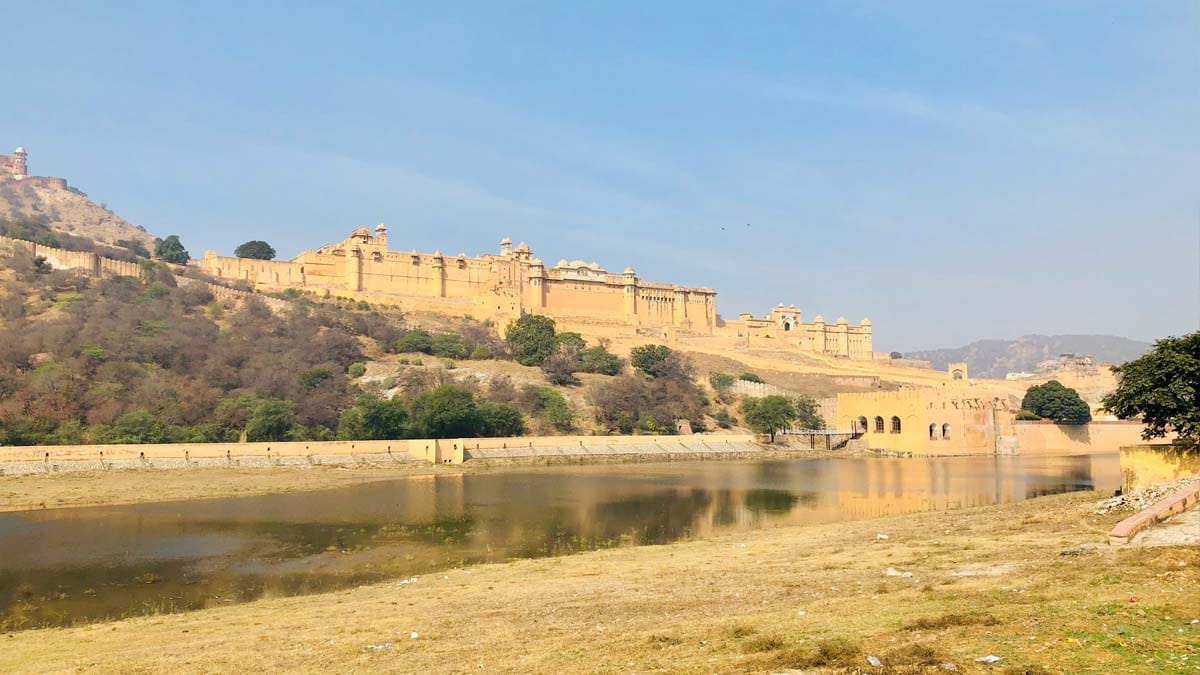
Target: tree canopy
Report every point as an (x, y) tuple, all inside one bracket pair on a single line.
[(256, 249), (1053, 401), (1163, 388), (532, 339), (769, 414), (171, 250)]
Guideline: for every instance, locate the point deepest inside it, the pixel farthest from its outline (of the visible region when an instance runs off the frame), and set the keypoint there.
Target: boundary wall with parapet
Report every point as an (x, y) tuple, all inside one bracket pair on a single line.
[(98, 265), (53, 458)]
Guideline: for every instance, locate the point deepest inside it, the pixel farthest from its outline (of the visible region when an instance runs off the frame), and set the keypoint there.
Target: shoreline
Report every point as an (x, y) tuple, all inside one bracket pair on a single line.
[(1031, 582), (121, 486)]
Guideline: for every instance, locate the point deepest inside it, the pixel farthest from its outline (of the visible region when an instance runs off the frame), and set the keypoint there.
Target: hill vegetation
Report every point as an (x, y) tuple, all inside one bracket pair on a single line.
[(66, 211), (997, 358), (159, 359)]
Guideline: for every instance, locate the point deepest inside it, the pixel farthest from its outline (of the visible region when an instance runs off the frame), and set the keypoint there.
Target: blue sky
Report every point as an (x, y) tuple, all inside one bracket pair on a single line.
[(952, 170)]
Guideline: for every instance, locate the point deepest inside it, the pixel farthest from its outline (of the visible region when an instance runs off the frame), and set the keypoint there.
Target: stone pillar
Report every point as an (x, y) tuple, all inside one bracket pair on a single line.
[(629, 279), (439, 273), (354, 269)]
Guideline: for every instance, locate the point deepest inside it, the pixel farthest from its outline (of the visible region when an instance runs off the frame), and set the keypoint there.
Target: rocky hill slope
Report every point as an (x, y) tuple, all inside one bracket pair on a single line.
[(996, 358), (65, 209)]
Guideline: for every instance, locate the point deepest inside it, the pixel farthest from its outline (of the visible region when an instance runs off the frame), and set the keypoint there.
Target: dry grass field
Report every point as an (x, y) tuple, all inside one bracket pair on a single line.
[(1032, 583)]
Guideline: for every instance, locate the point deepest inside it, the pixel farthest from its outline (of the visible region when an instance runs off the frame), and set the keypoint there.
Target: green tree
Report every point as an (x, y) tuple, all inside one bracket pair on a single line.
[(721, 382), (416, 340), (501, 420), (448, 411), (769, 414), (135, 246), (808, 416), (138, 426), (750, 377), (315, 377), (256, 249), (382, 419), (599, 360), (171, 250), (532, 339), (1053, 401), (271, 420), (447, 345), (357, 369), (570, 341), (649, 358), (1162, 388)]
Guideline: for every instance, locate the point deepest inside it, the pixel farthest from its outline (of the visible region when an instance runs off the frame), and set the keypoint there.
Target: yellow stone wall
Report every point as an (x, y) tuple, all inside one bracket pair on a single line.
[(499, 287), (932, 420)]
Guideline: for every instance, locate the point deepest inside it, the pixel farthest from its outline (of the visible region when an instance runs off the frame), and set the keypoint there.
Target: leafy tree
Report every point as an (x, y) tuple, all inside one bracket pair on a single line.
[(769, 414), (599, 360), (447, 345), (255, 249), (382, 419), (481, 353), (531, 339), (570, 341), (648, 358), (808, 416), (1053, 401), (501, 420), (357, 369), (448, 411), (136, 427), (895, 355), (416, 340), (750, 377), (135, 246), (721, 382), (549, 405), (1163, 388), (271, 420), (315, 377), (171, 250)]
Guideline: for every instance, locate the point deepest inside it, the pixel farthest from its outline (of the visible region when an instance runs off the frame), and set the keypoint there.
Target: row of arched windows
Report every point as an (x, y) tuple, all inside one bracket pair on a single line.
[(936, 431), (880, 425)]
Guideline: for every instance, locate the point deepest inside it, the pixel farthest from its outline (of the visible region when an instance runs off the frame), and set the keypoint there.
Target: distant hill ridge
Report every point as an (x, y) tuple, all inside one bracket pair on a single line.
[(55, 204), (996, 358)]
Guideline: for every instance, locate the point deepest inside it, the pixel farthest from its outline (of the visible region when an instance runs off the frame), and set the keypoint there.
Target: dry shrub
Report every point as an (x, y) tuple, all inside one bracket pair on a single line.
[(834, 652), (951, 620), (913, 655), (764, 643)]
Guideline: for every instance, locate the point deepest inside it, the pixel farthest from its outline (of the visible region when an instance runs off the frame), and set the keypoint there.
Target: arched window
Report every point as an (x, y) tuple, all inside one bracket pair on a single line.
[(879, 425), (945, 432), (933, 431), (861, 425), (895, 425), (958, 374)]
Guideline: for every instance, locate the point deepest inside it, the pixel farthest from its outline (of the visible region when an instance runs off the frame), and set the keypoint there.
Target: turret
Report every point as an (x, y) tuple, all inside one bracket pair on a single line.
[(506, 247), (381, 235)]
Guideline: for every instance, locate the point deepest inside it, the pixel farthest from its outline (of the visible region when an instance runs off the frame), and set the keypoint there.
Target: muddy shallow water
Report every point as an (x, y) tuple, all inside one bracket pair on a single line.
[(65, 566)]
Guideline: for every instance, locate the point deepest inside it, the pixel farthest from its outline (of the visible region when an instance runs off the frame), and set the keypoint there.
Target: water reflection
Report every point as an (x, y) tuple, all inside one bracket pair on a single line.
[(58, 567)]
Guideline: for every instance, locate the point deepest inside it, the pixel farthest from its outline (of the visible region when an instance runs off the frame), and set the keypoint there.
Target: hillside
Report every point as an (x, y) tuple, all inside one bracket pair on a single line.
[(65, 209), (996, 358)]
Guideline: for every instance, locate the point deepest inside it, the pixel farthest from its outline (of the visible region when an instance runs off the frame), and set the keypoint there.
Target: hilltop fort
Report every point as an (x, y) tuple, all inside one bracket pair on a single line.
[(505, 285)]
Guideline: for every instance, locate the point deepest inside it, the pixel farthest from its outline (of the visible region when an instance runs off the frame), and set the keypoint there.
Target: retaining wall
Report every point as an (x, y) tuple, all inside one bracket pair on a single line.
[(51, 458)]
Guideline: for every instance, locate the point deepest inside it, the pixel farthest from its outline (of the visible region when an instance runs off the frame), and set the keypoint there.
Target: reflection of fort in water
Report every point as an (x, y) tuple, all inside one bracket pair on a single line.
[(248, 547)]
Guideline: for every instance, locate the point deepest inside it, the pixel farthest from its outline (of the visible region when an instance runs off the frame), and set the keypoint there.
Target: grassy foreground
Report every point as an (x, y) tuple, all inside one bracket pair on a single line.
[(1029, 582)]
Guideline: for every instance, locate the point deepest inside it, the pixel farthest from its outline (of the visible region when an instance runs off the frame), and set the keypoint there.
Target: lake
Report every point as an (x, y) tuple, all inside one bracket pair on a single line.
[(64, 566)]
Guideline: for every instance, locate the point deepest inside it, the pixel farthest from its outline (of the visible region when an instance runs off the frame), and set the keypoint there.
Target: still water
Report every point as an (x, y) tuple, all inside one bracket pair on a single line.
[(71, 565)]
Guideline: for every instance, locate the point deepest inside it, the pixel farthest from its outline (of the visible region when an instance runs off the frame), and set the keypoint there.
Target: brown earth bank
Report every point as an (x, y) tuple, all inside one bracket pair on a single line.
[(137, 486), (1029, 582)]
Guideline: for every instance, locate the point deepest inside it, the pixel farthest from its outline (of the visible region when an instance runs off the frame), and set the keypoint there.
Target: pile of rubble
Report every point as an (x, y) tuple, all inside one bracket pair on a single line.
[(1140, 499)]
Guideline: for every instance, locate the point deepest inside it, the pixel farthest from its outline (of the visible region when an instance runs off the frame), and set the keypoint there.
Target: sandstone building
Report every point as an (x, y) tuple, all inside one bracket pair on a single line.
[(505, 285)]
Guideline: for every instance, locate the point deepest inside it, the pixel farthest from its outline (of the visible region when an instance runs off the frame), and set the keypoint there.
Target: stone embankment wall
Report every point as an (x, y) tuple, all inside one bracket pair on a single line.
[(1100, 436), (53, 458)]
